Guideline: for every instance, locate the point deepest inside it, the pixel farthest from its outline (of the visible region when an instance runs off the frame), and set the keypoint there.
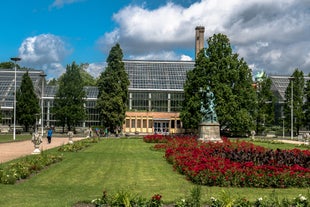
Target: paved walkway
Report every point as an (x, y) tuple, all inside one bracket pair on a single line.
[(13, 150)]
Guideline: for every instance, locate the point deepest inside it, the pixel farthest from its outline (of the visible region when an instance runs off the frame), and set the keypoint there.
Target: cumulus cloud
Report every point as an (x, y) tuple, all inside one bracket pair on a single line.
[(95, 69), (44, 51), (270, 34)]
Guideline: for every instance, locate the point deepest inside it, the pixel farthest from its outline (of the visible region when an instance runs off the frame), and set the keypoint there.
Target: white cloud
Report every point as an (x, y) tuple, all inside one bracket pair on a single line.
[(273, 35), (95, 69), (44, 51), (61, 3)]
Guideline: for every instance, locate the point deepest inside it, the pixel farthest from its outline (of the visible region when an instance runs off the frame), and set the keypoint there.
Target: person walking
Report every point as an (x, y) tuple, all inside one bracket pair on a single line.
[(49, 135)]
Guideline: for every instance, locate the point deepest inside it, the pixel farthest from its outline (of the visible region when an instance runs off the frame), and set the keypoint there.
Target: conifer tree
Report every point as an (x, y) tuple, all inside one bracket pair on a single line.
[(27, 103), (113, 86)]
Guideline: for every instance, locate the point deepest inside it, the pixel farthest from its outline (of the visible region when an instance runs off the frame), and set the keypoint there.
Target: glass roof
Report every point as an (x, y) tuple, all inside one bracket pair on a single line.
[(7, 85), (280, 83), (157, 75), (143, 76)]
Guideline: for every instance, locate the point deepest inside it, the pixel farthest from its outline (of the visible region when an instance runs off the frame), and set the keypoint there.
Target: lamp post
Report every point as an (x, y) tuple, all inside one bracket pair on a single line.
[(15, 59), (42, 103)]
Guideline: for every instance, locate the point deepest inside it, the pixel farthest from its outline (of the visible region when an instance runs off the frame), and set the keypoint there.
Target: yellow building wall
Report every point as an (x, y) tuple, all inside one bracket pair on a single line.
[(143, 122)]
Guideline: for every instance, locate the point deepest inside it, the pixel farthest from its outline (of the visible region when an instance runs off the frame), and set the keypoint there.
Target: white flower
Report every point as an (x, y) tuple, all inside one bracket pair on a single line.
[(260, 199), (302, 198), (213, 199)]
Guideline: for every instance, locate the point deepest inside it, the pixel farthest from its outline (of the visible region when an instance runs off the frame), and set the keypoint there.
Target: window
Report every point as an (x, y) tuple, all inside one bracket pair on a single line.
[(144, 123), (133, 123)]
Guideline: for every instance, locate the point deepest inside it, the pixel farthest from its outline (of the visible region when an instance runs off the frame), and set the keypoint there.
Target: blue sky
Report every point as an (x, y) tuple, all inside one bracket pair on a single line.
[(271, 35)]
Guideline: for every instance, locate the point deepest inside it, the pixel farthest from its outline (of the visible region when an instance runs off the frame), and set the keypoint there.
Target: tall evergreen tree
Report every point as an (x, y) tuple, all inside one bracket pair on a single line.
[(266, 102), (113, 86), (70, 98), (231, 82), (27, 103), (307, 105), (297, 82)]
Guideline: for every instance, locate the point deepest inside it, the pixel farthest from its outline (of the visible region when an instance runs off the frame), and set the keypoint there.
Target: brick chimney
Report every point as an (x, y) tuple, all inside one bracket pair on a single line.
[(199, 39)]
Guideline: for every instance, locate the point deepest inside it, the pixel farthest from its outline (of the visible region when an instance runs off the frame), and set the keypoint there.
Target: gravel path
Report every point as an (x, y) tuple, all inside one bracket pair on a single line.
[(13, 150)]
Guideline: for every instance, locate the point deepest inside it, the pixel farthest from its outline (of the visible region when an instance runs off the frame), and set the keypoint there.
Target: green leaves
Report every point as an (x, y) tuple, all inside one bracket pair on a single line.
[(230, 80), (27, 103), (113, 90), (70, 97)]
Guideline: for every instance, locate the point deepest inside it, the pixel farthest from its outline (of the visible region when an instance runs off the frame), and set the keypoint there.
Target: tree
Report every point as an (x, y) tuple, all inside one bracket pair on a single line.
[(297, 82), (87, 79), (266, 102), (7, 65), (27, 103), (113, 86), (70, 98), (307, 104), (230, 80)]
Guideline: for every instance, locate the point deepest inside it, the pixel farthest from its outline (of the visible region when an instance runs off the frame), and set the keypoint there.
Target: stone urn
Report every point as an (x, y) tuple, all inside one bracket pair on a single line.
[(36, 140)]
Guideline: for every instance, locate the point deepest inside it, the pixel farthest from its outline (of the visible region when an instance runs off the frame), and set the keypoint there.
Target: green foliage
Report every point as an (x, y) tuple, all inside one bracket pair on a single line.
[(297, 83), (266, 101), (8, 65), (27, 103), (113, 91), (87, 79), (70, 98), (307, 105), (23, 168), (77, 146), (230, 80)]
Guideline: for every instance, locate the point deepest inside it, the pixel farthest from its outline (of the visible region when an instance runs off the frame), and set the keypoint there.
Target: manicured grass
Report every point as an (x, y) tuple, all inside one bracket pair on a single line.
[(18, 137), (114, 165)]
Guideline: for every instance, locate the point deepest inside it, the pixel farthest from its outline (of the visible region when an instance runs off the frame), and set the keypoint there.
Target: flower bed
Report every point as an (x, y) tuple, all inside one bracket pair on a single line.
[(239, 164)]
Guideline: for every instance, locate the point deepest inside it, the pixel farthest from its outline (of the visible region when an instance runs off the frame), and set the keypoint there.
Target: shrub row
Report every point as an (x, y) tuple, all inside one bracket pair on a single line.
[(78, 145), (226, 199), (24, 167)]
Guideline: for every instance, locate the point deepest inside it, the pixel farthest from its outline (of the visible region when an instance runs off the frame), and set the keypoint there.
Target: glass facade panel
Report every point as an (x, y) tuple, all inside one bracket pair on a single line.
[(140, 101), (159, 102), (176, 100)]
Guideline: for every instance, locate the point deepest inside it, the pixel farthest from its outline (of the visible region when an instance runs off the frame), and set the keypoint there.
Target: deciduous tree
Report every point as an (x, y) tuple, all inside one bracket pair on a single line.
[(70, 98), (297, 82), (230, 79)]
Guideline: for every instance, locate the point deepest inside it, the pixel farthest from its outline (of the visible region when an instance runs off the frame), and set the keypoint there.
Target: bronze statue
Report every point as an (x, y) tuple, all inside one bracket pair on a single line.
[(207, 106)]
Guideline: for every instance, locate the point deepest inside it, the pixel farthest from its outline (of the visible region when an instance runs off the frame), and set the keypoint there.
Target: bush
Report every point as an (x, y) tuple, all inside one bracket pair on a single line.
[(23, 168)]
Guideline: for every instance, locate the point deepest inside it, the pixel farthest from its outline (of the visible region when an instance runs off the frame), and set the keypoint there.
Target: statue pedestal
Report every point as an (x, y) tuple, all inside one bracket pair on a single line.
[(209, 132), (36, 149)]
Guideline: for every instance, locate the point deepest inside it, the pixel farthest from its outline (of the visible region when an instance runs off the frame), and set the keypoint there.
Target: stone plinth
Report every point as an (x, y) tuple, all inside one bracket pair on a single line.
[(209, 132)]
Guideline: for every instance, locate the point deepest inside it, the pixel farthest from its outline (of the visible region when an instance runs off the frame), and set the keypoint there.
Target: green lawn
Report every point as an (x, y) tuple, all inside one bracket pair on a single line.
[(113, 165), (18, 137)]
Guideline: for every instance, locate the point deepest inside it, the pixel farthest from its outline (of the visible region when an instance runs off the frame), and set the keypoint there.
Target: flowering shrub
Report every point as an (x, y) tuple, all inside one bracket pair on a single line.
[(23, 168), (239, 164), (126, 199), (155, 138), (155, 201)]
